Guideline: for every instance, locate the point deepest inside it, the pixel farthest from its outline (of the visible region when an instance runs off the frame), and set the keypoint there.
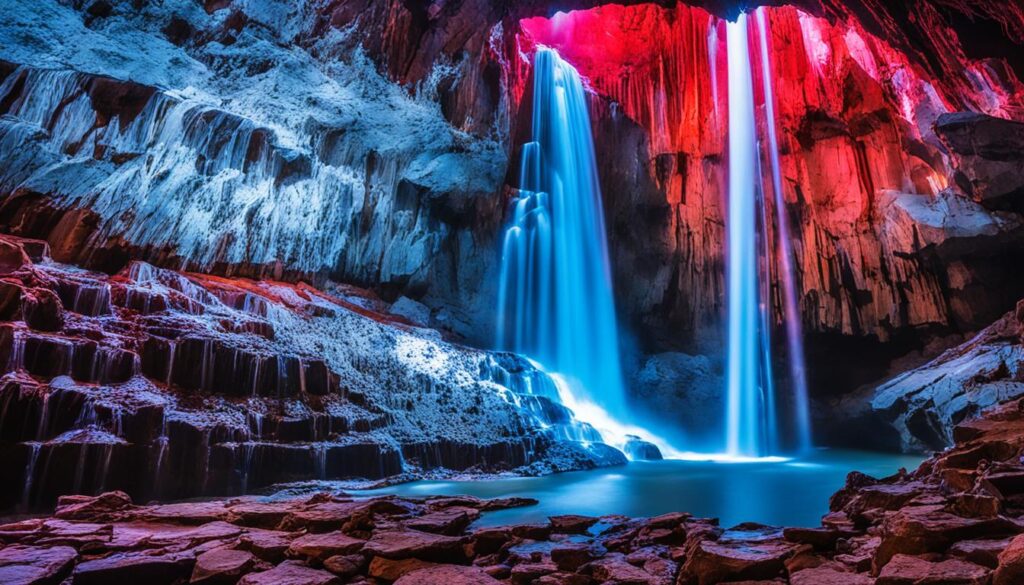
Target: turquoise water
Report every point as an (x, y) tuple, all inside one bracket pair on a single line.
[(793, 493)]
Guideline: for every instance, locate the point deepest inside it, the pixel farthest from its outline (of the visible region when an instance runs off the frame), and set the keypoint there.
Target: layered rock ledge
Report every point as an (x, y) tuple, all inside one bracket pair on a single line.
[(957, 519), (173, 385)]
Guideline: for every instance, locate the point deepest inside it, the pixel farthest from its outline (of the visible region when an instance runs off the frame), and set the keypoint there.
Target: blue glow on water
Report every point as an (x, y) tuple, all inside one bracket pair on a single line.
[(555, 299), (786, 494)]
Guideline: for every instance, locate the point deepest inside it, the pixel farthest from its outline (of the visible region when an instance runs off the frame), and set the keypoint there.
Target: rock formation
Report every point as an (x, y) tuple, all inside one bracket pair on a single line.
[(171, 385), (955, 520), (375, 151), (923, 405)]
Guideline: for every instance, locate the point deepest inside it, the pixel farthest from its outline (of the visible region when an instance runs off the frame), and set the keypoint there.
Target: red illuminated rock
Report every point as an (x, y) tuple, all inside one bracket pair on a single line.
[(289, 573), (221, 565), (909, 570), (450, 575)]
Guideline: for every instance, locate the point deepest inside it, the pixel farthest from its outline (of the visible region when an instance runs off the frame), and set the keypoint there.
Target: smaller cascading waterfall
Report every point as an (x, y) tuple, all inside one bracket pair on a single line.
[(555, 295), (752, 420)]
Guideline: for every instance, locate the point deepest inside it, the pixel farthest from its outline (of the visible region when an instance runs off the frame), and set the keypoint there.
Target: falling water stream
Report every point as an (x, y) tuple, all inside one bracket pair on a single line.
[(752, 418), (746, 426), (555, 300), (794, 333), (555, 295)]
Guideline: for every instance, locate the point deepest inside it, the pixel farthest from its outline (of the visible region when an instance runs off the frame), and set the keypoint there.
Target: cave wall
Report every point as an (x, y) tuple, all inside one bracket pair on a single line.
[(881, 265), (378, 138)]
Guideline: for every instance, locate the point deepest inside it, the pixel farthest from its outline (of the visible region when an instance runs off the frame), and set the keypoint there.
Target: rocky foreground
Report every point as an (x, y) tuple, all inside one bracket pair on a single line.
[(958, 519)]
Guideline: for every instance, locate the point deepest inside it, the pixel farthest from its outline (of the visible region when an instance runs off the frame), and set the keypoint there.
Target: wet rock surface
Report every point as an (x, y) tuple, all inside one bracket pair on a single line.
[(957, 519), (172, 385), (924, 405)]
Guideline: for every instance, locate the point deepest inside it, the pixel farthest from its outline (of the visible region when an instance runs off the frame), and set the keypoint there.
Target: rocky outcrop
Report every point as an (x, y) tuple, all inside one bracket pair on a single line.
[(989, 157), (684, 389), (957, 519), (923, 406), (172, 385)]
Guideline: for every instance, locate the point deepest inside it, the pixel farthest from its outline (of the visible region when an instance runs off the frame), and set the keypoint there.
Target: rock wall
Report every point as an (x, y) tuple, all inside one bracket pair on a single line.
[(864, 175), (370, 142), (917, 410)]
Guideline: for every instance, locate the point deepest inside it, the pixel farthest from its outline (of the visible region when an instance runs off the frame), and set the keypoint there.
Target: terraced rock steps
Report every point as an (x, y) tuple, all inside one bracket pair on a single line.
[(171, 385)]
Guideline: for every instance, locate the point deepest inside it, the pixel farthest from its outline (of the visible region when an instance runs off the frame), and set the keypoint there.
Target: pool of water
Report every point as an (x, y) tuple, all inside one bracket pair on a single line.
[(789, 493)]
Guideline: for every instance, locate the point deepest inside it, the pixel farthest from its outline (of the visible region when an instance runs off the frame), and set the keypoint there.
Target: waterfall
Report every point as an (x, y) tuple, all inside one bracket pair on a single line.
[(751, 414), (794, 333), (744, 397), (555, 300)]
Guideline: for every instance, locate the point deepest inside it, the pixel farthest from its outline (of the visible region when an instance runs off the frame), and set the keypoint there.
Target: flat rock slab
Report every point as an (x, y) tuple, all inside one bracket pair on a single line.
[(269, 545), (402, 544), (185, 513), (448, 575), (290, 573), (449, 521), (222, 565), (20, 564), (392, 570), (130, 568), (910, 570), (829, 576), (321, 546), (617, 570)]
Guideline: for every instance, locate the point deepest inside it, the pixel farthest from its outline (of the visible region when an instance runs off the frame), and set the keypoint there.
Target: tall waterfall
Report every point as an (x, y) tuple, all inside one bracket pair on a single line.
[(794, 333), (752, 421), (555, 300)]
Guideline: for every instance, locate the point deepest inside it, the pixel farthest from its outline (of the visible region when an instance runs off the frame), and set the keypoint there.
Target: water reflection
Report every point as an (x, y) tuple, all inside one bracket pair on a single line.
[(793, 493)]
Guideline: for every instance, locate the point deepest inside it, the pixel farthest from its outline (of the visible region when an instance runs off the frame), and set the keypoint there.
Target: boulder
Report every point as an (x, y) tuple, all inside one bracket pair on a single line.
[(42, 310), (1010, 569), (639, 450), (23, 565), (527, 572), (416, 312), (571, 524), (713, 562), (615, 569), (917, 530), (345, 565), (988, 155), (99, 507), (268, 545), (222, 565), (570, 556), (450, 521), (291, 573), (447, 575), (827, 575), (982, 552), (392, 569), (403, 544), (321, 546), (134, 567), (911, 570)]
